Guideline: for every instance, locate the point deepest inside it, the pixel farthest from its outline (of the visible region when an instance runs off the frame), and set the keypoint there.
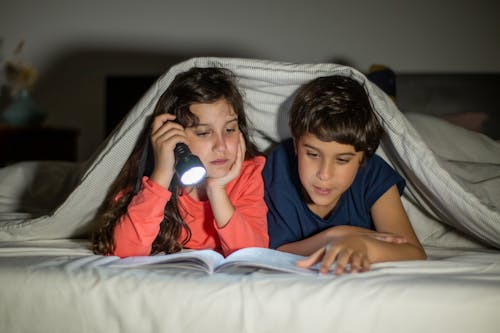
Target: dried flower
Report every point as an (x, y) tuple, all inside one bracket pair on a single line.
[(20, 75)]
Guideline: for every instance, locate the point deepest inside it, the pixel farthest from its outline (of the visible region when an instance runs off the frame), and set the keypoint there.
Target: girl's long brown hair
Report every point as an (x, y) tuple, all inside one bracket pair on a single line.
[(197, 85)]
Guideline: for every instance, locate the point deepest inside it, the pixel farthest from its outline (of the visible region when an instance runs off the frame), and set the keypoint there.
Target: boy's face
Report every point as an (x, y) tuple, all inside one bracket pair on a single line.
[(326, 170)]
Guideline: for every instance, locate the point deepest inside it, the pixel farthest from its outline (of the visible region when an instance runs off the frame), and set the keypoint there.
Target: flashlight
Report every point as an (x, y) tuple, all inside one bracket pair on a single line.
[(188, 166)]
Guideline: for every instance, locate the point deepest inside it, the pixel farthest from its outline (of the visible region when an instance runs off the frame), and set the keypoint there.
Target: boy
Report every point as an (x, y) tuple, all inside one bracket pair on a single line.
[(329, 196)]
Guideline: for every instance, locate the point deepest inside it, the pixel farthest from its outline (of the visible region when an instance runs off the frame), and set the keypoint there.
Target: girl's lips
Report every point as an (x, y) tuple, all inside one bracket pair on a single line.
[(219, 162), (321, 190)]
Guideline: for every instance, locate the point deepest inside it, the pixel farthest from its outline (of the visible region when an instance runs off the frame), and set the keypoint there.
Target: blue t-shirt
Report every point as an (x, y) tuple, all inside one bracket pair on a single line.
[(289, 218)]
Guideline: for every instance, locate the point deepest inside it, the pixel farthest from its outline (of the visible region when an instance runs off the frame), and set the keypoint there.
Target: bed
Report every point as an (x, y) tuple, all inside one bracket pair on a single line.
[(51, 282)]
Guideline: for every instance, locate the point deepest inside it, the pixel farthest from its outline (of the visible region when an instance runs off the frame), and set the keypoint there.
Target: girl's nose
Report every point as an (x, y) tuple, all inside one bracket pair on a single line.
[(219, 144)]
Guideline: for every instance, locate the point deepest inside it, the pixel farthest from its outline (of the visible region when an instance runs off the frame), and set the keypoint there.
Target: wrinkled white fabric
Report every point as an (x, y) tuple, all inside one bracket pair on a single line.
[(59, 286), (436, 187)]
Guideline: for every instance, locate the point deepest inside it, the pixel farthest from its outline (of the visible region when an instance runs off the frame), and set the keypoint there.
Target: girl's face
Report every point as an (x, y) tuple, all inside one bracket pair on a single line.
[(215, 139), (326, 170)]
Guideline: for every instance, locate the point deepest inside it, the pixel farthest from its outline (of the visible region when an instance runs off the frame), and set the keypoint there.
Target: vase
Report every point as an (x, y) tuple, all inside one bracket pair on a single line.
[(23, 111)]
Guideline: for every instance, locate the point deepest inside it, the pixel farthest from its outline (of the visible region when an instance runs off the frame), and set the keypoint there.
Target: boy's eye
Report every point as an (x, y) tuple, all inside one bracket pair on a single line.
[(312, 154), (343, 160)]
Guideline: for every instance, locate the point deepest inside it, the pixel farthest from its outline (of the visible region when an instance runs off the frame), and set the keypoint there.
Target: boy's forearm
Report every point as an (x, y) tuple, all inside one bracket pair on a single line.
[(377, 250), (380, 251), (311, 244), (307, 246)]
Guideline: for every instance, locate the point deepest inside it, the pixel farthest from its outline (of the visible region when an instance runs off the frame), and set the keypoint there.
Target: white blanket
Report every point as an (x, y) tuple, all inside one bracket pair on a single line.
[(461, 192)]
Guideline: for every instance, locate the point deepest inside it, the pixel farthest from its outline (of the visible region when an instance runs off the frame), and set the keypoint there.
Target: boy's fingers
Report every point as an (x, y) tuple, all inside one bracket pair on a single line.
[(356, 263), (396, 238), (391, 238), (343, 259), (330, 257), (312, 259), (365, 265)]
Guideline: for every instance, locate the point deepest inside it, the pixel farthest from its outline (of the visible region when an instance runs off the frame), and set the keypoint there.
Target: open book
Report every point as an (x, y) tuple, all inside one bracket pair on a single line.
[(241, 261)]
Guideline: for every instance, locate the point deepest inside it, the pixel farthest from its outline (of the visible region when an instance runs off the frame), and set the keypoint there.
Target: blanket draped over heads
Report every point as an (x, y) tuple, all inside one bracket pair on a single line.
[(451, 188)]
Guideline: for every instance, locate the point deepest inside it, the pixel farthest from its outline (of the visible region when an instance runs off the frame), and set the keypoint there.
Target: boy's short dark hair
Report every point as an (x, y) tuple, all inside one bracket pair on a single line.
[(336, 108)]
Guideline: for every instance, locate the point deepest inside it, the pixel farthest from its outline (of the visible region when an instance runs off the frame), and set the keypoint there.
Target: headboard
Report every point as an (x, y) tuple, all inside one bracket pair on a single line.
[(468, 100)]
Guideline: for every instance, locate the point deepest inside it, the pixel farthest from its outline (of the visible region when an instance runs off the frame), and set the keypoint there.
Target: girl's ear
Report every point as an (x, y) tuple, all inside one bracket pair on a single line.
[(294, 145)]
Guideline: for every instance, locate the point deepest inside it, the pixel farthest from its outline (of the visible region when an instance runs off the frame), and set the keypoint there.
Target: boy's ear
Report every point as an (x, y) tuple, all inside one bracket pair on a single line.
[(362, 159), (294, 145)]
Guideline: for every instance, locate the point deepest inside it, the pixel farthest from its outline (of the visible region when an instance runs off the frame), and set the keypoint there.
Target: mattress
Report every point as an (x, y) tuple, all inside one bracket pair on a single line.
[(59, 286)]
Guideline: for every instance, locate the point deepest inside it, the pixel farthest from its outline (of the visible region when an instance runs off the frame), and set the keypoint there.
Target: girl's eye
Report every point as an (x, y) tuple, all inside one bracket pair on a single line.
[(230, 129), (202, 134)]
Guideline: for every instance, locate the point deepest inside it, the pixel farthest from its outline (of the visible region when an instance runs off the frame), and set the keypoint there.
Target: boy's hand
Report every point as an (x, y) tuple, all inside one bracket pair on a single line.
[(347, 250)]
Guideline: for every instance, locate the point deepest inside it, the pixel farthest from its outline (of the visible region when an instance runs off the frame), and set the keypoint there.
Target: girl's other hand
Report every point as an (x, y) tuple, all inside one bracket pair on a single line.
[(221, 182)]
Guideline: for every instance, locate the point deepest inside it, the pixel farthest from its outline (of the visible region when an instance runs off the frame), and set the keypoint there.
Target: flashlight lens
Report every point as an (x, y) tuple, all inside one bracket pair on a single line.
[(193, 175)]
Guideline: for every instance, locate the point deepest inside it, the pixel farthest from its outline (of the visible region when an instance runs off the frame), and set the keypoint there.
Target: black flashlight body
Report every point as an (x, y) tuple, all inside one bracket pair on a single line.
[(188, 167)]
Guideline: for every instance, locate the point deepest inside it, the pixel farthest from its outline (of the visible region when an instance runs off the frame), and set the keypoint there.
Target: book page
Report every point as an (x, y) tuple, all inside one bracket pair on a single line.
[(261, 258), (204, 260), (242, 261)]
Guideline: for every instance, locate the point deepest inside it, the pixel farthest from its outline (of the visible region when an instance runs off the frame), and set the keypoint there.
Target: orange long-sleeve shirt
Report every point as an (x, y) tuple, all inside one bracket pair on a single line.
[(139, 226)]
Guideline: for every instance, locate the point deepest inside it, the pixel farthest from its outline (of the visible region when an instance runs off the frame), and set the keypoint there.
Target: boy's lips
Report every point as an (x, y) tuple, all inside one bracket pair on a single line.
[(321, 190)]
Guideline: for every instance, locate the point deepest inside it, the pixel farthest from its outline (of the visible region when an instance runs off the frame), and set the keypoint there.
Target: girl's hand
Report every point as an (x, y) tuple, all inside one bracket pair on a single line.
[(165, 134), (222, 207), (348, 250), (235, 168)]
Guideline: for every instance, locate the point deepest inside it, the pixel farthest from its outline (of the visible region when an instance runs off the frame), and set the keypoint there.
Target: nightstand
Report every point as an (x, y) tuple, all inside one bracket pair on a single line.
[(37, 143)]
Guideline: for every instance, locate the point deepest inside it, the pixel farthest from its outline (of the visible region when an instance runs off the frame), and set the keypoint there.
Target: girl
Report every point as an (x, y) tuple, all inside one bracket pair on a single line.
[(147, 211)]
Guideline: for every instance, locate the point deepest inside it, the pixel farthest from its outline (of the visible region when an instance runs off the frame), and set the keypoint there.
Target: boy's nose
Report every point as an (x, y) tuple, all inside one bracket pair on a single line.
[(325, 171)]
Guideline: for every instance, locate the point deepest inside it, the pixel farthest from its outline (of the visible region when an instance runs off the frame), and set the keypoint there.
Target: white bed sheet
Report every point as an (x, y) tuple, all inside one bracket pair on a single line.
[(59, 286)]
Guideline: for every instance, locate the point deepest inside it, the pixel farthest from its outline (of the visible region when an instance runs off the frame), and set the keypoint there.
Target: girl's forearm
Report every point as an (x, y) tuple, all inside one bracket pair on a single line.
[(222, 207)]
